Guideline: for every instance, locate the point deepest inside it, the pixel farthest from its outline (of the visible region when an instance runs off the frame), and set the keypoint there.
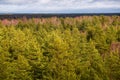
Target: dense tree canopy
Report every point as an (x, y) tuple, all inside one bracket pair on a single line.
[(80, 48)]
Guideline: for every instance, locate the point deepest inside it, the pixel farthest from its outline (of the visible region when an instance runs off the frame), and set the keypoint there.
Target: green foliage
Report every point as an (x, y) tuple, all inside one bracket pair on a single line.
[(60, 49), (113, 65)]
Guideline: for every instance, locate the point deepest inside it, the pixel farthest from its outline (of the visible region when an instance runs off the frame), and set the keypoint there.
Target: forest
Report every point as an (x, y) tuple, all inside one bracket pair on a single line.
[(79, 48)]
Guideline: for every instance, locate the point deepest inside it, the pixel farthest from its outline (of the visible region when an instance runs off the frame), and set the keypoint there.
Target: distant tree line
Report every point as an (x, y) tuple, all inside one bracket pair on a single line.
[(59, 15)]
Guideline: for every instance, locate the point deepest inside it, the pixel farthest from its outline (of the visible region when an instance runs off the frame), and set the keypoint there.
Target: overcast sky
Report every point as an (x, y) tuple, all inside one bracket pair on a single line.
[(59, 6)]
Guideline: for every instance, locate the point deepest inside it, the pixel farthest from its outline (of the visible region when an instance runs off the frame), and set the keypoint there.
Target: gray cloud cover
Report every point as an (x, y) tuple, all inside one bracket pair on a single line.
[(35, 6)]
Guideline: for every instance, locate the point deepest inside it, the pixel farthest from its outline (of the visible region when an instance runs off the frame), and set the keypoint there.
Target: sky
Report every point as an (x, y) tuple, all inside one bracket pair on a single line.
[(59, 6)]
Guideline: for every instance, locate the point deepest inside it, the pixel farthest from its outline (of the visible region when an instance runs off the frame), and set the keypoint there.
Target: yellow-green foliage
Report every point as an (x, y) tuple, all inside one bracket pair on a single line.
[(60, 49)]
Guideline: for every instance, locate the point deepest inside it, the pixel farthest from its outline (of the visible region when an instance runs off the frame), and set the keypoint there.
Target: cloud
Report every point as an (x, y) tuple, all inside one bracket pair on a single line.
[(39, 6), (16, 2)]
